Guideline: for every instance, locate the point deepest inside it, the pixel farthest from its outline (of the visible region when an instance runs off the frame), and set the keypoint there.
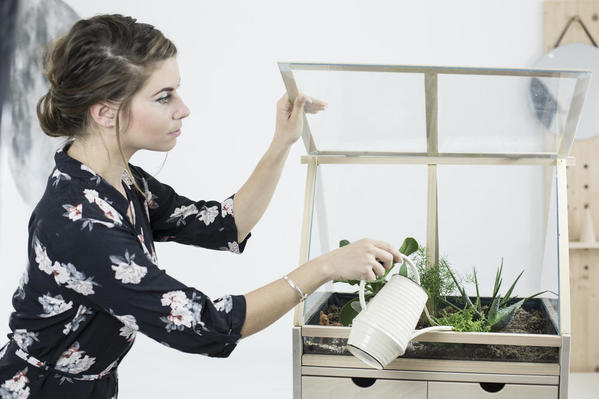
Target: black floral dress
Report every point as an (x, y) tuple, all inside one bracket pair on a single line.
[(93, 281)]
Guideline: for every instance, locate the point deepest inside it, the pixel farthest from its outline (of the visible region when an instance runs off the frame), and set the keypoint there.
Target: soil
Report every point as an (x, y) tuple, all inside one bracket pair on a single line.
[(530, 319)]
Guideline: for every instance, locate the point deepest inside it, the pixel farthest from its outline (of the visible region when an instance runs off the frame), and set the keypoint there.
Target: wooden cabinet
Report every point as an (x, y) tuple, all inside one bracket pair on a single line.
[(362, 388), (314, 387), (451, 390)]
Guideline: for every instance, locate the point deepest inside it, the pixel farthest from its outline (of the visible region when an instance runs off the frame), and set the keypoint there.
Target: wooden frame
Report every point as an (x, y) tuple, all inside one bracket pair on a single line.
[(516, 372)]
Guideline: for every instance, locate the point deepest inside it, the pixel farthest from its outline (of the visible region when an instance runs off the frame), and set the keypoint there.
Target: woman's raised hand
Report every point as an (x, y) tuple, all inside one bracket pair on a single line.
[(365, 259), (290, 117)]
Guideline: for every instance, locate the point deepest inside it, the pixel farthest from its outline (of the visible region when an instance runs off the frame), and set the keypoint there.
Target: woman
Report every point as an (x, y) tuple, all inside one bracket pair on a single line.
[(93, 278)]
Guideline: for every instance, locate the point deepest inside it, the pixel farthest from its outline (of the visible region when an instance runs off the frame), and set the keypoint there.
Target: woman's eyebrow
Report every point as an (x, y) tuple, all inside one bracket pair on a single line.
[(166, 89)]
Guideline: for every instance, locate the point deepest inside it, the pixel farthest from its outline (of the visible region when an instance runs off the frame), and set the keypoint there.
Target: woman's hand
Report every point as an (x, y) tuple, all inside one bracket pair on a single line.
[(290, 117), (361, 260)]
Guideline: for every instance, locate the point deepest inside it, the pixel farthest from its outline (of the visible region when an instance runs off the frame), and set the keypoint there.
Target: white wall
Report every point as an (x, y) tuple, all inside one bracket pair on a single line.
[(227, 55)]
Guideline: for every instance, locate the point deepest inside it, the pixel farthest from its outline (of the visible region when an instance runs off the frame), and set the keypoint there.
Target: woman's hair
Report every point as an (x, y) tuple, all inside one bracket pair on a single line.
[(103, 58)]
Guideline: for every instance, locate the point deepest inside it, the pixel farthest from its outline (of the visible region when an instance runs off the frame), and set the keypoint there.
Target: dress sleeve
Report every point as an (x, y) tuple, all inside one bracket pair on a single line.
[(173, 217), (107, 269)]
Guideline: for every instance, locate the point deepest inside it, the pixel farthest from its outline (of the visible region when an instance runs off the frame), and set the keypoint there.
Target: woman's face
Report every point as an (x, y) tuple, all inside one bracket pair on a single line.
[(156, 111)]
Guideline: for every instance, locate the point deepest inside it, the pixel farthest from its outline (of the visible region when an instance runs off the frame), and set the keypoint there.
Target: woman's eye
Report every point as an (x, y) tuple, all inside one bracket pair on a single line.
[(165, 99)]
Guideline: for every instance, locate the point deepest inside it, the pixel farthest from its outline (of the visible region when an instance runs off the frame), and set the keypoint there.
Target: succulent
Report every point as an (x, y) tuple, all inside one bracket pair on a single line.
[(499, 313)]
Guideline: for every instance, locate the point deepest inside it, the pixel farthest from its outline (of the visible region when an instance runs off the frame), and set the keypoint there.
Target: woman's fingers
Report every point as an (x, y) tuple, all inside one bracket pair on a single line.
[(390, 249), (383, 256), (378, 269), (370, 276), (314, 106)]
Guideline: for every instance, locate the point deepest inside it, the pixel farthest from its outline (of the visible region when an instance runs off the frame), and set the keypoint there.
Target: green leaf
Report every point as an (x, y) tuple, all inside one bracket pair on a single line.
[(351, 310), (376, 286), (403, 270), (356, 306), (504, 316), (498, 279), (445, 301), (493, 310), (506, 298), (478, 306), (409, 246), (465, 296), (348, 313), (538, 293), (343, 243)]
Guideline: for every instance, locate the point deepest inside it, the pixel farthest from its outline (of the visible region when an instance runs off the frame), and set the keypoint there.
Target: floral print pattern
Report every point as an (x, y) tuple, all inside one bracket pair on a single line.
[(208, 215), (74, 360), (111, 213), (181, 213), (224, 304), (24, 338), (63, 273), (126, 270), (82, 313), (53, 305), (95, 177), (130, 326), (59, 176), (20, 293), (185, 312), (93, 282), (227, 207), (16, 387)]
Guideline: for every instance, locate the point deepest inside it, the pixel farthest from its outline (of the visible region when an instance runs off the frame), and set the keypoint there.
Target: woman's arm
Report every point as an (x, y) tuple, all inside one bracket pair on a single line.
[(253, 197), (269, 303), (364, 259)]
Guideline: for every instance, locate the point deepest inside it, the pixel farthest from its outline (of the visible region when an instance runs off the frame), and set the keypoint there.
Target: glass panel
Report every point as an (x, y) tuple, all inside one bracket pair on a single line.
[(367, 111), (382, 108), (490, 213), (535, 309), (502, 114), (383, 202)]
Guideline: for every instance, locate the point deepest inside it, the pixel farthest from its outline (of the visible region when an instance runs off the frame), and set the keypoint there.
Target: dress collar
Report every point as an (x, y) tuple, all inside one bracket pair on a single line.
[(92, 180)]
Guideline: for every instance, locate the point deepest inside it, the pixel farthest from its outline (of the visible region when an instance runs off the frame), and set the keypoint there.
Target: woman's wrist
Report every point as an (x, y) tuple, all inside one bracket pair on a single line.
[(279, 146), (319, 268)]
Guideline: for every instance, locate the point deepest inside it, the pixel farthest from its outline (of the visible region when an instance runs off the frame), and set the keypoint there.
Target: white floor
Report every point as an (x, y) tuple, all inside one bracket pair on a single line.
[(583, 386)]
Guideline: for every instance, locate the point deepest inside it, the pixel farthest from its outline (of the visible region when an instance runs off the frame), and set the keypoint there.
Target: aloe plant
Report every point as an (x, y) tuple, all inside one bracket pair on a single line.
[(352, 308), (499, 314)]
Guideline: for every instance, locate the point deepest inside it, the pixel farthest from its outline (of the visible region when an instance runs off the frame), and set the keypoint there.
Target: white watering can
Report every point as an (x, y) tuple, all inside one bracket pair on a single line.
[(381, 332)]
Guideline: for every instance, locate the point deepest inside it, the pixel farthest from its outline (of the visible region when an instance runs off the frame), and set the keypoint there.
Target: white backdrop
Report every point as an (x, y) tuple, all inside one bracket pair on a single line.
[(230, 80)]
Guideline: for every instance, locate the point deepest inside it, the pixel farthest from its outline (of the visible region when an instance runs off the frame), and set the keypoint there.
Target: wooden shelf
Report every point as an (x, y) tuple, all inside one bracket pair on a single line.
[(584, 245)]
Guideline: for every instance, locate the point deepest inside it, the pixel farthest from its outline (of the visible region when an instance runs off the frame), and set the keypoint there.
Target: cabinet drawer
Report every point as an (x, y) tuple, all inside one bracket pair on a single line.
[(451, 390), (362, 388)]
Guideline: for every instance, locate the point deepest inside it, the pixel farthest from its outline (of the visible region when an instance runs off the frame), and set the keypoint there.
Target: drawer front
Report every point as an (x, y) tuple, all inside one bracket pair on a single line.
[(451, 390), (362, 388)]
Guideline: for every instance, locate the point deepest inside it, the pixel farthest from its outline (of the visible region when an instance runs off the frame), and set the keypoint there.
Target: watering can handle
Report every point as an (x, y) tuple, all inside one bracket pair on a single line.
[(414, 272)]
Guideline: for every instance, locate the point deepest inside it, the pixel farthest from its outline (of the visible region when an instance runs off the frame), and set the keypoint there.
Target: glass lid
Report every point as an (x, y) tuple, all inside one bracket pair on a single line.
[(395, 110)]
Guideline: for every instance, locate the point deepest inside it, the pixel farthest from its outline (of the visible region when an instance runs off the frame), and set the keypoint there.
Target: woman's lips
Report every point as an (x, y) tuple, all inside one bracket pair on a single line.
[(176, 133)]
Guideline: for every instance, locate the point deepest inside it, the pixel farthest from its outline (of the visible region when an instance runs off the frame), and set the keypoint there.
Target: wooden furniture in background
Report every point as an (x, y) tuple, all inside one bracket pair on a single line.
[(583, 193)]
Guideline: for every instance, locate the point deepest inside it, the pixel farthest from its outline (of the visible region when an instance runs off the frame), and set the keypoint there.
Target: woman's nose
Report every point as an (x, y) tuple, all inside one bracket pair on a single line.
[(182, 112)]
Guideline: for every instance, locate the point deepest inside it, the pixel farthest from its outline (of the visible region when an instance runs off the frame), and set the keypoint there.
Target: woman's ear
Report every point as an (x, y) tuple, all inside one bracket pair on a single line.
[(104, 114)]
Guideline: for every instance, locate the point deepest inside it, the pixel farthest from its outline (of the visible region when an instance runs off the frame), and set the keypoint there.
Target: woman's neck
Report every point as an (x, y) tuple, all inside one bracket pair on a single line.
[(96, 156)]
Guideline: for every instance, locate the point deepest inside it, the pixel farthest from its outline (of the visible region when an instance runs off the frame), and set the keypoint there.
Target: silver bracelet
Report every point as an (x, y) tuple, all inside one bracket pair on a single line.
[(295, 287)]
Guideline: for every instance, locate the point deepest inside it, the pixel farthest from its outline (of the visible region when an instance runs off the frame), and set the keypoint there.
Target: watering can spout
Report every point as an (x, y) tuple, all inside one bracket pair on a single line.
[(429, 329)]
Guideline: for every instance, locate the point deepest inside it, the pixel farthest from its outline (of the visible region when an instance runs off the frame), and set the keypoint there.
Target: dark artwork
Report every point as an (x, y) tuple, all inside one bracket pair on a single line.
[(30, 152), (8, 14), (544, 104)]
